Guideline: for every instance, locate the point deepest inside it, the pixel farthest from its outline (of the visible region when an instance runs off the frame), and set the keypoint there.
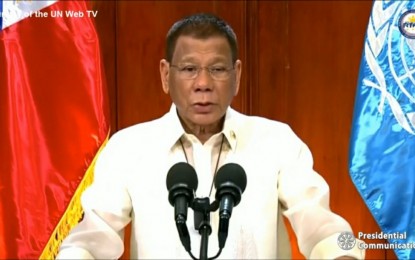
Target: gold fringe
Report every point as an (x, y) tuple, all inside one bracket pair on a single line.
[(72, 214)]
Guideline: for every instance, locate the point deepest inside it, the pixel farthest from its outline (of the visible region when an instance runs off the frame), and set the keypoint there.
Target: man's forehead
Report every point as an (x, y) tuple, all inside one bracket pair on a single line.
[(188, 46)]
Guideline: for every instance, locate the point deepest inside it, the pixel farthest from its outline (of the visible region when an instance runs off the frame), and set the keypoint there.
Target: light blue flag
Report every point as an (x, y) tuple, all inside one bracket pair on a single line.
[(382, 151)]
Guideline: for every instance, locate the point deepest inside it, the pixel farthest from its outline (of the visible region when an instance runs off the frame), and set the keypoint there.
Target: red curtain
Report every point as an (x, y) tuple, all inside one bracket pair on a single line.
[(54, 118)]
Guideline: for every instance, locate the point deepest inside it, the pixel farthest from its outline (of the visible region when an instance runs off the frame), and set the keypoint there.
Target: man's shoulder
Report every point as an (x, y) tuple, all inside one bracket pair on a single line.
[(260, 123), (142, 130), (265, 131)]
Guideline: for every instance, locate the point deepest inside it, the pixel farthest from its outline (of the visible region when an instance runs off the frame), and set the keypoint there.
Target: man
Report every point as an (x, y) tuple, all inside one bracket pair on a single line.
[(201, 73)]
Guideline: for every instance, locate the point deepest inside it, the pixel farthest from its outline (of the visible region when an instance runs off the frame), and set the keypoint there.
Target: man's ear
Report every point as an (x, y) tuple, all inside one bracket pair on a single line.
[(164, 74), (238, 71)]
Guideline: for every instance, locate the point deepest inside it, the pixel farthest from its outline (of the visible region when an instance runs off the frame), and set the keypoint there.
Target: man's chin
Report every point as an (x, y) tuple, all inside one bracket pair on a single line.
[(207, 119)]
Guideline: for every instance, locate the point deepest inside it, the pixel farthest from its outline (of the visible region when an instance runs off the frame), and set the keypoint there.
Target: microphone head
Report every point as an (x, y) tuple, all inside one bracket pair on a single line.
[(230, 180), (182, 174), (232, 174)]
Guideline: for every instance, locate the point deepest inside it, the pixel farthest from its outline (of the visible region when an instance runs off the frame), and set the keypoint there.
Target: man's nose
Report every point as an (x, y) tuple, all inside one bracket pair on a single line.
[(203, 80)]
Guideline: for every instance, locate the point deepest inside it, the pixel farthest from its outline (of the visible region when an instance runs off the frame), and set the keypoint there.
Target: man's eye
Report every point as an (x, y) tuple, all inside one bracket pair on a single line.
[(189, 69), (217, 69)]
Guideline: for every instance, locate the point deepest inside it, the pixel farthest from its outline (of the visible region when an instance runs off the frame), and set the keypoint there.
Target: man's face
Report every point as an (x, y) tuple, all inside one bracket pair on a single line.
[(201, 98)]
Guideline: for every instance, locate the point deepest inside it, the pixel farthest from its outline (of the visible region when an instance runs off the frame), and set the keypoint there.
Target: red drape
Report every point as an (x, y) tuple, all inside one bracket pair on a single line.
[(53, 120)]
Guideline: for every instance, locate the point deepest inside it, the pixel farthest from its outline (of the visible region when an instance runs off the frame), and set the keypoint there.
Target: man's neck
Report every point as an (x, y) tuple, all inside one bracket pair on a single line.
[(203, 133)]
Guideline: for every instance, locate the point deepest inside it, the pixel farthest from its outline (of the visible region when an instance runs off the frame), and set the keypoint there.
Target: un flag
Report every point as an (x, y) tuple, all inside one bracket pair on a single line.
[(382, 148)]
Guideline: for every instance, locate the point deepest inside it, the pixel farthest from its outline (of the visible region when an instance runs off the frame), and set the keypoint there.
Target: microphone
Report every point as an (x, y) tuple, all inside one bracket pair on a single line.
[(181, 183), (230, 183)]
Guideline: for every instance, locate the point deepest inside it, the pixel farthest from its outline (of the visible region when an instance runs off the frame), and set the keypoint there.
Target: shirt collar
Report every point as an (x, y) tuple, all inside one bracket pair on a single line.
[(230, 128), (176, 131)]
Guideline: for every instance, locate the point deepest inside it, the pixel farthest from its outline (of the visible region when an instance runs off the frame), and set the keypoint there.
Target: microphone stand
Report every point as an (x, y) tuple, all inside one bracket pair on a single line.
[(201, 207), (205, 231)]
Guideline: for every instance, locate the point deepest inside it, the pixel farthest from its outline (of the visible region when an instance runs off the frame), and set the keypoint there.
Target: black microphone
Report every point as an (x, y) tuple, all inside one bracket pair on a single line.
[(230, 183), (181, 183)]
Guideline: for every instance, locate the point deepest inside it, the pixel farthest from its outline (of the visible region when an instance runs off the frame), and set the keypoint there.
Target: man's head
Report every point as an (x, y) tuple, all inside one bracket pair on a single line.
[(201, 71), (201, 26)]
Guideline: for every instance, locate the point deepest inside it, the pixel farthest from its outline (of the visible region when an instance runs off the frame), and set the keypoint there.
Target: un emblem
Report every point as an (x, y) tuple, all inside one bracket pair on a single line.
[(393, 77)]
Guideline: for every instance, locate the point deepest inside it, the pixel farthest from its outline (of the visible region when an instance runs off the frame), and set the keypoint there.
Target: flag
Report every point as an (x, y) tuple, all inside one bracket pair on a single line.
[(382, 148), (53, 121)]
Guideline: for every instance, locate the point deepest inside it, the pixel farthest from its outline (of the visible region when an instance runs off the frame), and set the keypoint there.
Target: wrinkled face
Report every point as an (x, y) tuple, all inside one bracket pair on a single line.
[(201, 79)]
